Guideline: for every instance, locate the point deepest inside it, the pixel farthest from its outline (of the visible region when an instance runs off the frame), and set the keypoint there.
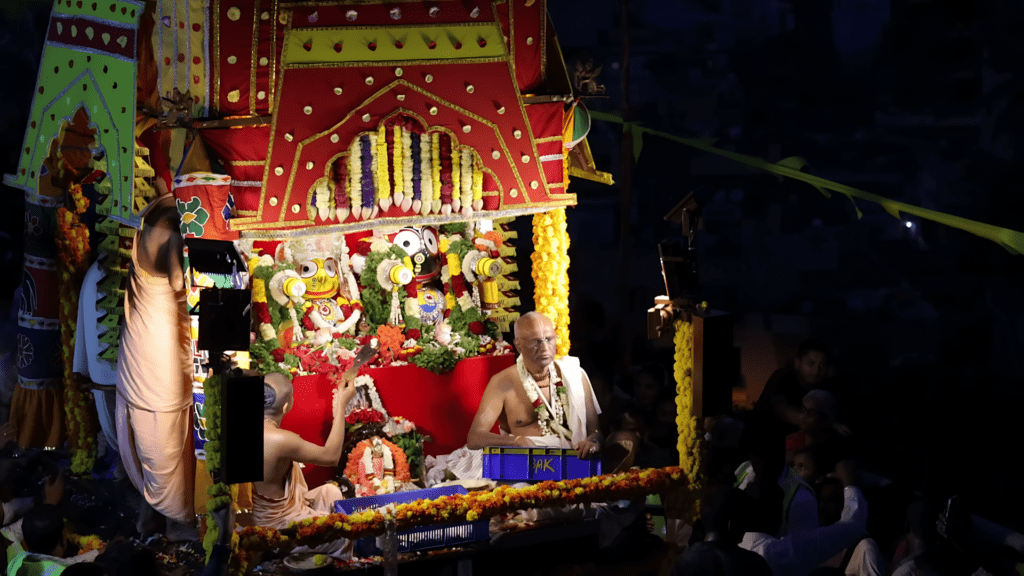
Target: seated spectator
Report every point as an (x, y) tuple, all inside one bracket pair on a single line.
[(862, 559), (719, 554), (798, 505), (807, 462), (817, 427), (799, 553), (45, 545)]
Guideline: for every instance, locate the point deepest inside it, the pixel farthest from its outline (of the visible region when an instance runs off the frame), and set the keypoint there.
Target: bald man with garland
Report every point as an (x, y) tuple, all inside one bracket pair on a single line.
[(540, 401)]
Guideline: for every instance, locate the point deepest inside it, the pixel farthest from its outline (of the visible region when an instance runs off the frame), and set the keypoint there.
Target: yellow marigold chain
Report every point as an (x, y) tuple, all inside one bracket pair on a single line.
[(690, 455), (550, 272)]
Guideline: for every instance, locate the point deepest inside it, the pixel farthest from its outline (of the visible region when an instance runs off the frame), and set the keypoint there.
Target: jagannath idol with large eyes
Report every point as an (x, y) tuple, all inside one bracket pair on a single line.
[(422, 246)]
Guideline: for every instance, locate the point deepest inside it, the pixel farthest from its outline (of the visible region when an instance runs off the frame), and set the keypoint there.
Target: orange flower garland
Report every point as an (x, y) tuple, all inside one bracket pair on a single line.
[(72, 241), (401, 462), (254, 541)]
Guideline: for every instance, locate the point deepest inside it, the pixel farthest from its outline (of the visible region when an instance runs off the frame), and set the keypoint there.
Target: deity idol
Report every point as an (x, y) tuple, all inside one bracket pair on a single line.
[(421, 244)]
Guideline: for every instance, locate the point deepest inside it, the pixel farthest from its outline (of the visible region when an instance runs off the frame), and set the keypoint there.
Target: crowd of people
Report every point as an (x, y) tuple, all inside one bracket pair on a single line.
[(784, 495)]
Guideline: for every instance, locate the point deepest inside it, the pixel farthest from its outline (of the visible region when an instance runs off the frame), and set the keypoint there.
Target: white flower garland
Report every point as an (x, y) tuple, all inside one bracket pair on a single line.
[(549, 424), (323, 199), (426, 200), (467, 182), (366, 381)]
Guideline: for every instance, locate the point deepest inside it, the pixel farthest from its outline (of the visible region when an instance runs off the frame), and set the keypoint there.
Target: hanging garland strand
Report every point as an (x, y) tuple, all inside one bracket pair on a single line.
[(73, 249), (220, 493), (690, 455), (550, 272)]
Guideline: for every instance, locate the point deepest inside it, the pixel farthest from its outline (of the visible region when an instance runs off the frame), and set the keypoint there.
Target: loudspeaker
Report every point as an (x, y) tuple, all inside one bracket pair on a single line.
[(715, 363), (242, 430)]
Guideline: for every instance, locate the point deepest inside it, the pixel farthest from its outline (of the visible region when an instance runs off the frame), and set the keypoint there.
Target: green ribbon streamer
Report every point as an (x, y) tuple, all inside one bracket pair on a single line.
[(1011, 240)]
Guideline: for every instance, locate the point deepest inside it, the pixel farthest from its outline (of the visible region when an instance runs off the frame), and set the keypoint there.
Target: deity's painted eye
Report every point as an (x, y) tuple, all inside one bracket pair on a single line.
[(430, 239), (409, 241), (308, 269), (331, 267)]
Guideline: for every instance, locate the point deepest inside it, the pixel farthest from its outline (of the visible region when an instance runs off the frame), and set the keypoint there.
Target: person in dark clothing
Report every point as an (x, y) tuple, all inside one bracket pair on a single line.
[(719, 554), (785, 389)]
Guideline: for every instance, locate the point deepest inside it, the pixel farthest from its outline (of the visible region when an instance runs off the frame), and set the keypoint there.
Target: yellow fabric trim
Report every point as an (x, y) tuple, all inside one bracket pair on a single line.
[(415, 39)]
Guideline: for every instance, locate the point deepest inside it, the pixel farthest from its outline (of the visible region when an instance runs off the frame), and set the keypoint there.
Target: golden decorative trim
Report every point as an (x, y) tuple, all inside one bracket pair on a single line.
[(255, 53), (543, 33), (305, 228), (363, 64), (271, 87), (244, 162), (550, 139), (215, 35)]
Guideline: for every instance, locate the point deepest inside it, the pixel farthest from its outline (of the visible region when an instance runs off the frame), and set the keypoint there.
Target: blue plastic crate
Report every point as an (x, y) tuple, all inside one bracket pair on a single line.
[(536, 464), (422, 538)]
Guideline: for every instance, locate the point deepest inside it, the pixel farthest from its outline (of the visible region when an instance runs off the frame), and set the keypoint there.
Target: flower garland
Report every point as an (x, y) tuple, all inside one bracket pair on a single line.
[(456, 164), (354, 174), (478, 189), (551, 272), (409, 180), (401, 464), (255, 540), (367, 171), (72, 241), (339, 183), (219, 492), (466, 179), (418, 167), (366, 381), (690, 450), (380, 162), (549, 423), (398, 154), (435, 171)]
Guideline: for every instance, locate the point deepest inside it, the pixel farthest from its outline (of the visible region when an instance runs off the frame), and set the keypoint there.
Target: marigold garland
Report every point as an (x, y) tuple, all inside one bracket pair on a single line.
[(402, 473), (381, 164), (690, 456), (398, 173), (551, 272), (255, 540), (72, 241), (221, 494)]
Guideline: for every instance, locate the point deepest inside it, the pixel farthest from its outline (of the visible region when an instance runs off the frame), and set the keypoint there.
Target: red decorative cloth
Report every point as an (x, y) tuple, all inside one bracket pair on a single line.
[(442, 406)]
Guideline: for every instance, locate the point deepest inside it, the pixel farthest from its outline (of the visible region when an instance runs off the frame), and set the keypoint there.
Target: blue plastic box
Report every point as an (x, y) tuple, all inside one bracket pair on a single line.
[(422, 538), (536, 464)]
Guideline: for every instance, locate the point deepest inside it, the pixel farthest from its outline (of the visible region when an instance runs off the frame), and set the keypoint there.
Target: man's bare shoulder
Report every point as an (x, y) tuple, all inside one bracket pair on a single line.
[(278, 437), (505, 380)]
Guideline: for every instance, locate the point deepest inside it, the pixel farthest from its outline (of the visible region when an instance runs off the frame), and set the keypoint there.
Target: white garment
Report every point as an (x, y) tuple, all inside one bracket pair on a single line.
[(797, 554), (88, 332), (88, 348)]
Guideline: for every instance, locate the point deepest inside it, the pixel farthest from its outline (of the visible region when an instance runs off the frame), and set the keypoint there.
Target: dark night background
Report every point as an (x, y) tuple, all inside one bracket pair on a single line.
[(916, 100)]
